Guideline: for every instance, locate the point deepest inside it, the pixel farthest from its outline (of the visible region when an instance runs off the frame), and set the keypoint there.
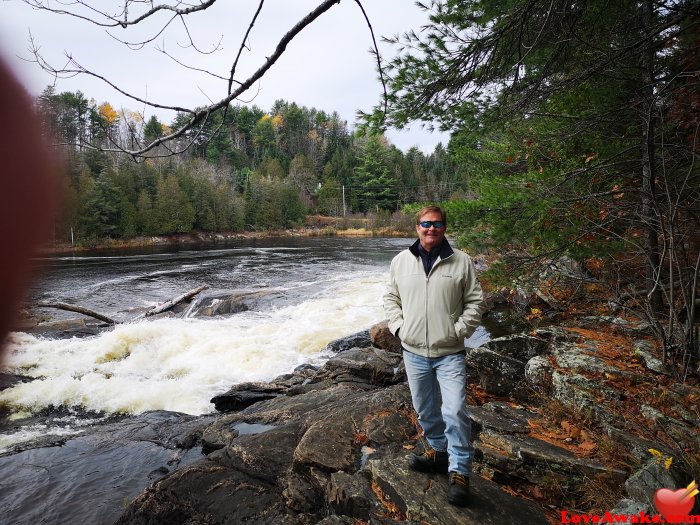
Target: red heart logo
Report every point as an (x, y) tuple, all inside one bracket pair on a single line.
[(673, 503)]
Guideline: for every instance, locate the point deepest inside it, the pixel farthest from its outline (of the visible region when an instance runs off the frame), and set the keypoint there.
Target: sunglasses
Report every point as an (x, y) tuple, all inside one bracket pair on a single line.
[(428, 224)]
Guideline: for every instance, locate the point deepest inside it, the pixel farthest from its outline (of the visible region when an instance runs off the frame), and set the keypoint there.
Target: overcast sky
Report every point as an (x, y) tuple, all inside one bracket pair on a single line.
[(327, 66)]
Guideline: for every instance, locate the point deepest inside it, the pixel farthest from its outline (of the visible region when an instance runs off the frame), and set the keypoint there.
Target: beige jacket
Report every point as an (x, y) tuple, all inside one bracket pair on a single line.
[(433, 313)]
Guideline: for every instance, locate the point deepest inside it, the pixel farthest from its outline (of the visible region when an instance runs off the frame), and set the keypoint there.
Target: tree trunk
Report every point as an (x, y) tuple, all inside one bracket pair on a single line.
[(169, 304), (650, 219), (77, 309)]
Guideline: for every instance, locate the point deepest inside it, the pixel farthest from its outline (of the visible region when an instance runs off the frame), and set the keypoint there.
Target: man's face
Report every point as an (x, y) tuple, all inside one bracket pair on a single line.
[(432, 236)]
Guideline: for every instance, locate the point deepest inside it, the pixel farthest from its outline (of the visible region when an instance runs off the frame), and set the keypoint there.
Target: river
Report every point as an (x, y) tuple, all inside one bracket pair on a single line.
[(312, 290)]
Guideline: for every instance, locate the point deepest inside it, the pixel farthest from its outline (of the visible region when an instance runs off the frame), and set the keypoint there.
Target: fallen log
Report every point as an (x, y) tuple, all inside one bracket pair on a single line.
[(78, 309), (169, 304), (153, 311)]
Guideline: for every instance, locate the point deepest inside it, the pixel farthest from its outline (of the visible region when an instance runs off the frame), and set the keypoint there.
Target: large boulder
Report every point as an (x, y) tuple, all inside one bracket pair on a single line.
[(358, 340), (382, 338), (500, 364), (245, 394), (213, 303), (498, 374), (362, 367), (644, 483), (519, 346)]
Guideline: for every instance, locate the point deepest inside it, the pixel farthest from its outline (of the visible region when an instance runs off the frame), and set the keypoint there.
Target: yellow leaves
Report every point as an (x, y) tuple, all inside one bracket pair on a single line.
[(108, 113), (535, 313), (277, 120), (661, 458), (134, 117), (264, 118)]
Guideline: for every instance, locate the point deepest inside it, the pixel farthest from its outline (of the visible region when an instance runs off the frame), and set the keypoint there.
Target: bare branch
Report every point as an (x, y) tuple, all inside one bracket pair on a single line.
[(378, 57), (191, 68), (136, 46), (243, 45), (113, 20), (198, 116)]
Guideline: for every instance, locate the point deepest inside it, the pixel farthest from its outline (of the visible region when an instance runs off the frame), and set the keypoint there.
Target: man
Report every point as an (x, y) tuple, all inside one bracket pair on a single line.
[(434, 301)]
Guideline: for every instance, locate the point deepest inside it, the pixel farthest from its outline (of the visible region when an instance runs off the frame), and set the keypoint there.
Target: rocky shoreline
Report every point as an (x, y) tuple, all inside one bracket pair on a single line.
[(568, 418), (328, 445)]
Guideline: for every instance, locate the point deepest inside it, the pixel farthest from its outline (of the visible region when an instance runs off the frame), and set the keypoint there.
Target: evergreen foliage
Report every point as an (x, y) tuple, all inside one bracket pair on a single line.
[(245, 168), (573, 121)]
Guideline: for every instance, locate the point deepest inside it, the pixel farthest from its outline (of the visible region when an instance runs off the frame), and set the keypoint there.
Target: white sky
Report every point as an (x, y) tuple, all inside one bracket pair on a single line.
[(327, 66)]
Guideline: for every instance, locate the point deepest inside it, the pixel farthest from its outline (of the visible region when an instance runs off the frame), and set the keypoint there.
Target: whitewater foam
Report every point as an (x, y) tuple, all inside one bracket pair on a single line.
[(179, 364)]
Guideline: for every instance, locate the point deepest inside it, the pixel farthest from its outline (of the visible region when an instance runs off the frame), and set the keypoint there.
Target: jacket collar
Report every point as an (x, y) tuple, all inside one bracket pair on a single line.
[(445, 249)]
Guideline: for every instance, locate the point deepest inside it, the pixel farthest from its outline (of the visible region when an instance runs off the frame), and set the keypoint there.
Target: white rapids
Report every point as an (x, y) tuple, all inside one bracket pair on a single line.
[(179, 364)]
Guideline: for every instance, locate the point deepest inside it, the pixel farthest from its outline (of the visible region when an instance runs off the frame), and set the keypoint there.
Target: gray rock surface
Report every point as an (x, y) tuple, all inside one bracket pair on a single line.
[(642, 485), (358, 340), (422, 498), (324, 443), (8, 380), (519, 346), (501, 363), (363, 367), (245, 394)]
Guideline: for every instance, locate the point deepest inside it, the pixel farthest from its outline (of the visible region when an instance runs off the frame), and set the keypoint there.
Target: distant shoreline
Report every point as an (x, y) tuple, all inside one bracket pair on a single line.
[(196, 237)]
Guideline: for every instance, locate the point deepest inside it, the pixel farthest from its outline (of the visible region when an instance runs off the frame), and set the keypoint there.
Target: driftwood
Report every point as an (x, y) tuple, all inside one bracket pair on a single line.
[(153, 311), (169, 304), (78, 309)]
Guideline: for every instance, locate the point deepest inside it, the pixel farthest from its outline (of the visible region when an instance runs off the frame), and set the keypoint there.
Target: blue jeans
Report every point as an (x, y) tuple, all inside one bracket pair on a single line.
[(437, 388)]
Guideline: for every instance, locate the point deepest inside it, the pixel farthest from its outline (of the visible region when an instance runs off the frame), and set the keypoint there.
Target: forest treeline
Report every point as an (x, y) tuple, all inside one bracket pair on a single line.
[(244, 169)]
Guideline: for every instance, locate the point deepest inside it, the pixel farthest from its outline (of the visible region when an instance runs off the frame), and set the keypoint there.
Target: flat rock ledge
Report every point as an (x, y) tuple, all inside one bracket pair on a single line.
[(329, 445)]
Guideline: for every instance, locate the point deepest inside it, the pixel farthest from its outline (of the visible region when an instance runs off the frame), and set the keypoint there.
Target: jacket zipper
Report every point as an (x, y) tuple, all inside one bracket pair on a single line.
[(427, 282), (427, 325)]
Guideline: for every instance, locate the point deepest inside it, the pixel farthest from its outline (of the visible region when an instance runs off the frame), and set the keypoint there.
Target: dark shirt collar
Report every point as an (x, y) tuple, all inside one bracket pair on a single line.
[(445, 250), (432, 253), (429, 258)]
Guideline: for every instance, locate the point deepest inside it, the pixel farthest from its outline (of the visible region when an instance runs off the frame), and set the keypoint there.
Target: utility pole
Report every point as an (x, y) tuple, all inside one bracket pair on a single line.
[(344, 209)]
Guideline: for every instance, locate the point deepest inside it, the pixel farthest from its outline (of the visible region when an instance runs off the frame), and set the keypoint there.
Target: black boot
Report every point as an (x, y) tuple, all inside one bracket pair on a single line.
[(458, 493), (430, 460)]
